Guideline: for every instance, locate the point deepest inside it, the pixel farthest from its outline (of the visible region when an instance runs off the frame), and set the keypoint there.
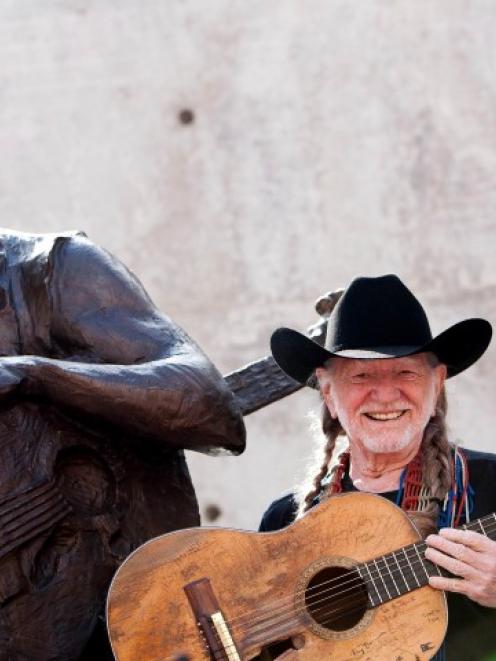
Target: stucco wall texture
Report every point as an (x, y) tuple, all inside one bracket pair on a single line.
[(322, 140)]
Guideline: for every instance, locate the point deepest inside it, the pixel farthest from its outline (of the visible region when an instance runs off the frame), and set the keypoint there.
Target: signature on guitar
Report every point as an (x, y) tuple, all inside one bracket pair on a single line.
[(347, 581)]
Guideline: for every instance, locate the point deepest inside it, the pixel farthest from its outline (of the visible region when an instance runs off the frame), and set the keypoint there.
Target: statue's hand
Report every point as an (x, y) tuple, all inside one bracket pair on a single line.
[(11, 375), (15, 372)]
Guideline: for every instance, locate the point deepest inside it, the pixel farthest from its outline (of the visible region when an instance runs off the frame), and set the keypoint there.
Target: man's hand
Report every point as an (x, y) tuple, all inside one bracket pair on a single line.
[(471, 557)]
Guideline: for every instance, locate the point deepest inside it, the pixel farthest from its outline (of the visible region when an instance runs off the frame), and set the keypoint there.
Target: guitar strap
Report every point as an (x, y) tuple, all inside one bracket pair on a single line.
[(457, 504), (412, 494)]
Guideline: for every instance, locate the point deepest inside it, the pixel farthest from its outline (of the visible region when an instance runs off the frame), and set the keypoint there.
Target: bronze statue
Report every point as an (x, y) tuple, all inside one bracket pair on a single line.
[(100, 393)]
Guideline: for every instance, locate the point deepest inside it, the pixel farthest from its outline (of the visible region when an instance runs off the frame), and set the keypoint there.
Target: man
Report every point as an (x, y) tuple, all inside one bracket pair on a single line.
[(381, 377), (100, 394)]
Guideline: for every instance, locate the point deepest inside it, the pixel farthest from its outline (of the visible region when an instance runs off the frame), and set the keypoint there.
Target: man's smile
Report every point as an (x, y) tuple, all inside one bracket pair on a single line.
[(383, 416)]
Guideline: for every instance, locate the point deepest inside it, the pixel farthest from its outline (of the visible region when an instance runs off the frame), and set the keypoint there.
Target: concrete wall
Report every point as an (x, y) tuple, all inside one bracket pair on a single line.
[(328, 139)]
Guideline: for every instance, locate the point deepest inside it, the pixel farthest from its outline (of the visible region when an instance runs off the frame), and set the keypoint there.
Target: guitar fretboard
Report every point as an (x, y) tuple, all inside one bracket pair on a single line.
[(389, 576), (260, 383)]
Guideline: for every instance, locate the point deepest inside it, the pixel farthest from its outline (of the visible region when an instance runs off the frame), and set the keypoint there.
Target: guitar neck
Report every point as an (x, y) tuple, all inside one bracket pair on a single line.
[(389, 576), (260, 383)]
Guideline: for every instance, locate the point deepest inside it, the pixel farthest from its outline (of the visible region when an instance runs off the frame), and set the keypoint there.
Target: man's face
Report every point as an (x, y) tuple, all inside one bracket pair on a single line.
[(383, 405)]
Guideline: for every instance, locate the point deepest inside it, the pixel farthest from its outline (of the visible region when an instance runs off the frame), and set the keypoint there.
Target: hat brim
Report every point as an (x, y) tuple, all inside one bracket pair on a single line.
[(457, 347)]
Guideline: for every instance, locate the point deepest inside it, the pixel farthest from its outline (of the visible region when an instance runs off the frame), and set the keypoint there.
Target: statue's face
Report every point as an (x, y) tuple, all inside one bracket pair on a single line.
[(383, 405)]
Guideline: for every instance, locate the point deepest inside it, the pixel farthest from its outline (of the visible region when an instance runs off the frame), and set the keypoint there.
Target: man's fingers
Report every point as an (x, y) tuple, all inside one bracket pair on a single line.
[(481, 592), (454, 565), (475, 540), (455, 546), (471, 557), (448, 584)]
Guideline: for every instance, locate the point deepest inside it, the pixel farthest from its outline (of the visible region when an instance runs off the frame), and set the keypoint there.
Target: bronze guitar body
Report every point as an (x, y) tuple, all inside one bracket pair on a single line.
[(261, 582)]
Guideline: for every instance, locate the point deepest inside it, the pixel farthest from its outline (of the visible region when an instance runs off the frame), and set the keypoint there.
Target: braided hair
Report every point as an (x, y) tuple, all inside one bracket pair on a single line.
[(437, 468), (328, 464)]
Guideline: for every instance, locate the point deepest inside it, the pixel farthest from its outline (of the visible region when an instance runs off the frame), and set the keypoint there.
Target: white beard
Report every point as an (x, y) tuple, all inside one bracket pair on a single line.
[(382, 443), (392, 440)]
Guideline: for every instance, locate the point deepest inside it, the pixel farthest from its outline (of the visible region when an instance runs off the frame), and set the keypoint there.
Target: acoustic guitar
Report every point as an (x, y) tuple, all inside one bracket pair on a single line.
[(347, 582)]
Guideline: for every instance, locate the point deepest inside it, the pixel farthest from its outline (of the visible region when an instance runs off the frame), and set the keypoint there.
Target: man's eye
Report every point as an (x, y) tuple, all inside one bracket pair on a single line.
[(408, 373), (359, 377)]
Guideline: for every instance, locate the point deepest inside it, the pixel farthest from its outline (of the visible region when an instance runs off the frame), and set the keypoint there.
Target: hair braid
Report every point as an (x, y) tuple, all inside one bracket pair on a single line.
[(437, 468), (437, 451), (331, 429)]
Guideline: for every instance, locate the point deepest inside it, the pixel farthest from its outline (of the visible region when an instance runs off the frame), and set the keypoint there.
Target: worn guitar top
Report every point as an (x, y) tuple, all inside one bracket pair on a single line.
[(471, 628)]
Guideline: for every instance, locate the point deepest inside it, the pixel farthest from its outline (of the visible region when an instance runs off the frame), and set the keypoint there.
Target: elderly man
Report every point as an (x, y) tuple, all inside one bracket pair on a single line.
[(381, 377)]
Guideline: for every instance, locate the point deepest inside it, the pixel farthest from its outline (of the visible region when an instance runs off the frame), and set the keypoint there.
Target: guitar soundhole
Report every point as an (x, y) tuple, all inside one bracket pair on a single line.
[(336, 598)]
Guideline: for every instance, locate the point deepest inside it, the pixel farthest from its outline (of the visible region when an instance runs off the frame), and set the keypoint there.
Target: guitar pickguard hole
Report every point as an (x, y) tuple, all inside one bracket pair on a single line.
[(336, 598), (333, 598)]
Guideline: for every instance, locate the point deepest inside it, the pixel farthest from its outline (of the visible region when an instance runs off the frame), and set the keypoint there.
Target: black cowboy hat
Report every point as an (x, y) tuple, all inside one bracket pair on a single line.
[(380, 318)]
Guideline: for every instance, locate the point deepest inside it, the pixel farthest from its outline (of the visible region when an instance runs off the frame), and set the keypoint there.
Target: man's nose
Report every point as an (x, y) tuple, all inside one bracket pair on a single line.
[(385, 390)]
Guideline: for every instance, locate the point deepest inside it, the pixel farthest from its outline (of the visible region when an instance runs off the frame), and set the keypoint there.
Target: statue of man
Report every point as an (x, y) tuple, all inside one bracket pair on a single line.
[(100, 394)]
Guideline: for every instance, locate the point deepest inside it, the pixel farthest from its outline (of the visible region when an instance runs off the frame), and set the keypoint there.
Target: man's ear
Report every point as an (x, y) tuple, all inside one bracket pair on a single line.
[(323, 378), (325, 387), (441, 374)]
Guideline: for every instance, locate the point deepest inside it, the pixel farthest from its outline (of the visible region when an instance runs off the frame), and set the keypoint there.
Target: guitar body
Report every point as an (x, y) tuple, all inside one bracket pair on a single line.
[(260, 581)]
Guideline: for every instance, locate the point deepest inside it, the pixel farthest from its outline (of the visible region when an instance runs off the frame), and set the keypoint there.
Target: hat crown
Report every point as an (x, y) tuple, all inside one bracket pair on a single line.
[(377, 312), (380, 318)]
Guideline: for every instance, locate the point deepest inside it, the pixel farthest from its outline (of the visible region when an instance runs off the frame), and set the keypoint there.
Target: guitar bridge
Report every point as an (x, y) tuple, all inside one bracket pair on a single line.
[(210, 619)]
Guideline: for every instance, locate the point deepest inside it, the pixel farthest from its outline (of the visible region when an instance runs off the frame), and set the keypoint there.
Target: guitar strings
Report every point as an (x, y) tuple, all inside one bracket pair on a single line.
[(338, 582), (278, 619), (282, 623), (354, 582), (279, 626), (374, 572), (325, 617), (328, 616), (271, 623)]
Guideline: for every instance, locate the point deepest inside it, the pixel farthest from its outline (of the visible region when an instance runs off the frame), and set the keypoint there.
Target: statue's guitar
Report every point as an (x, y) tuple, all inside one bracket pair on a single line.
[(348, 581)]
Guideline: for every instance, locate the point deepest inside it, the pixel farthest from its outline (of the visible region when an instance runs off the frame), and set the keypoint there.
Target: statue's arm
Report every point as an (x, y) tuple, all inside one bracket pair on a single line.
[(120, 361)]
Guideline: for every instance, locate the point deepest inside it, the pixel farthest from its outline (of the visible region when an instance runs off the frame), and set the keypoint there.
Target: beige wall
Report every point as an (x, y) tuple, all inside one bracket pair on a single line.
[(331, 138)]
